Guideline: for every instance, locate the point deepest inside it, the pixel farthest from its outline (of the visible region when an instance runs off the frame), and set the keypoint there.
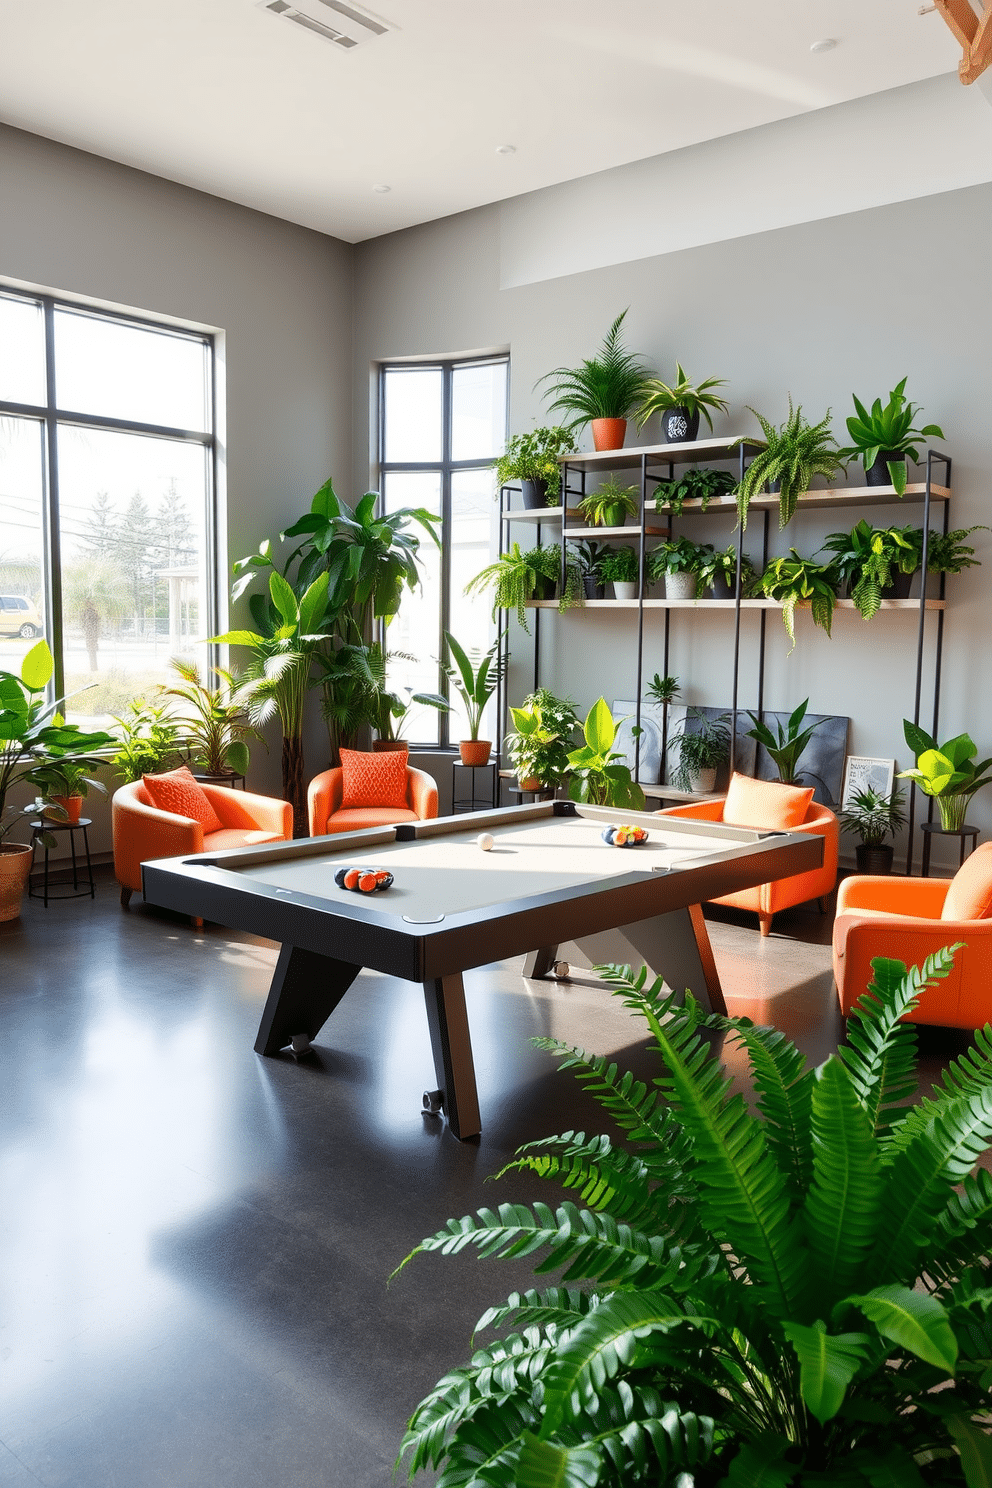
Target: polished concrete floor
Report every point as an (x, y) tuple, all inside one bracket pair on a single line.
[(195, 1242)]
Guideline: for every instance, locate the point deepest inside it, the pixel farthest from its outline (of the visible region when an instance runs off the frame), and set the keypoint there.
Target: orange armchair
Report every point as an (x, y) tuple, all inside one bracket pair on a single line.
[(908, 919), (767, 899), (326, 816), (142, 831)]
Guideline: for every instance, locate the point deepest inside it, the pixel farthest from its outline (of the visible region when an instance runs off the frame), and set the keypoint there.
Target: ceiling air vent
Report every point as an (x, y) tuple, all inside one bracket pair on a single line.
[(344, 24)]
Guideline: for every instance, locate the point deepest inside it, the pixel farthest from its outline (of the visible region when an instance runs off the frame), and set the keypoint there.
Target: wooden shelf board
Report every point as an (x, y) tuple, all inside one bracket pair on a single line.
[(722, 604), (534, 514), (575, 533), (681, 797), (662, 454), (839, 496)]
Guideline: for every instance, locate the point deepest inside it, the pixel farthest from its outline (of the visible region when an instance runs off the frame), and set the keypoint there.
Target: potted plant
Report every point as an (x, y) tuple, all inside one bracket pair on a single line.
[(475, 685), (871, 817), (947, 552), (702, 746), (546, 563), (213, 726), (787, 1293), (611, 504), (718, 572), (602, 391), (390, 715), (532, 459), (619, 568), (946, 772), (516, 577), (693, 485), (681, 405), (599, 774), (148, 741), (883, 438), (794, 580), (793, 455), (64, 785), (663, 690), (33, 738), (540, 746), (678, 560), (589, 559), (871, 559), (786, 745)]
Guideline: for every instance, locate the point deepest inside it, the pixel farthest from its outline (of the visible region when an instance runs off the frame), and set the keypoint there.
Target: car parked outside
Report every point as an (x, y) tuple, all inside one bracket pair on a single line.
[(18, 617)]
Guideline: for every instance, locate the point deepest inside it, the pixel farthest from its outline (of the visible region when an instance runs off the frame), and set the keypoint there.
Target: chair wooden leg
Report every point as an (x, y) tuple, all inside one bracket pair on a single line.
[(125, 896), (196, 922), (821, 905), (765, 921)]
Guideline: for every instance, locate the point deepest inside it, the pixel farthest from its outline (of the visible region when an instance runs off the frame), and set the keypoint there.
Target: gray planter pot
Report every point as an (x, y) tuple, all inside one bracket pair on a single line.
[(680, 585), (624, 590)]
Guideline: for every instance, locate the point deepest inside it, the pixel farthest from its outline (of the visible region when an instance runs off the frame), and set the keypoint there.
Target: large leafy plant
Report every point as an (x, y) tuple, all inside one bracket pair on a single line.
[(693, 397), (599, 774), (786, 745), (887, 432), (213, 721), (946, 771), (794, 1295), (540, 745), (534, 457), (608, 385), (792, 581), (793, 454)]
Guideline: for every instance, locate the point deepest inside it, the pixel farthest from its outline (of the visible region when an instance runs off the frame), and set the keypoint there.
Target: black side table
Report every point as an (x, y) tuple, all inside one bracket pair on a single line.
[(227, 780), (80, 887), (932, 829), (545, 793), (472, 802)]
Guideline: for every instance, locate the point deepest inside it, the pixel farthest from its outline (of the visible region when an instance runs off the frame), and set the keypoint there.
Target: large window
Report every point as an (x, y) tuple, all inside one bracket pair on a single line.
[(441, 426), (106, 496)]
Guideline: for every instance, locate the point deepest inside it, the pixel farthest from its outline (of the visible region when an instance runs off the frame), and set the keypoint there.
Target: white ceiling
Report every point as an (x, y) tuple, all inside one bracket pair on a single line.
[(224, 96)]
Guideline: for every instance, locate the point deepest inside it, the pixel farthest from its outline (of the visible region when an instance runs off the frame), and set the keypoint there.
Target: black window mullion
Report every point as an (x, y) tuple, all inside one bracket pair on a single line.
[(52, 557), (444, 616)]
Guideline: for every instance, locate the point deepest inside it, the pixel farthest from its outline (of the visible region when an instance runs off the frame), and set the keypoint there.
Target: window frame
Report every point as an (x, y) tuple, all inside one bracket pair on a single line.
[(446, 467), (49, 417)]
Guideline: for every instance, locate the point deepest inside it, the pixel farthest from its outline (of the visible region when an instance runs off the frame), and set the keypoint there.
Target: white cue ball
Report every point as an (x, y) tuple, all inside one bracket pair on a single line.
[(485, 840)]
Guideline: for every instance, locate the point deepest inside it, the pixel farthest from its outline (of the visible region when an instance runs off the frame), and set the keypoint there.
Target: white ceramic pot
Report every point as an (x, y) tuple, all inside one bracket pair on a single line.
[(623, 590), (680, 586), (703, 780)]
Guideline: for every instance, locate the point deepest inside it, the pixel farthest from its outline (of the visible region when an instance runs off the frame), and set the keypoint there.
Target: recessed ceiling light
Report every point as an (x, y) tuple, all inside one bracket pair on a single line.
[(506, 149), (382, 189), (826, 45)]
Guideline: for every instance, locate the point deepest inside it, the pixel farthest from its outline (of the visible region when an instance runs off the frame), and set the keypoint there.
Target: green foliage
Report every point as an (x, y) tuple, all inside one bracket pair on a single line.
[(683, 393), (678, 555), (148, 741), (605, 386), (798, 1294), (546, 561), (611, 503), (867, 557), (946, 771), (947, 552), (513, 578), (214, 724), (663, 689), (720, 568), (793, 455), (872, 816), (589, 558), (694, 485), (795, 580), (786, 745), (544, 727), (599, 775), (475, 682), (34, 736), (887, 431), (700, 743), (619, 566), (534, 457)]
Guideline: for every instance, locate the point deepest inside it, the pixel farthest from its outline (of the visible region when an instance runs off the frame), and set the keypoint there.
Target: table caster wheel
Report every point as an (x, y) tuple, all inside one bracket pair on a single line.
[(300, 1043), (433, 1102), (560, 969)]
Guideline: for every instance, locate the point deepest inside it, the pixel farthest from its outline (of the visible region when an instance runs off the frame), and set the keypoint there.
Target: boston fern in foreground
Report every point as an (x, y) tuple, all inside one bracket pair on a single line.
[(797, 1296)]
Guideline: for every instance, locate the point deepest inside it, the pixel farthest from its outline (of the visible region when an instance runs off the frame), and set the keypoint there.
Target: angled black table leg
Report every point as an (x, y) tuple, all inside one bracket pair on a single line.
[(451, 1041), (305, 990), (537, 964)]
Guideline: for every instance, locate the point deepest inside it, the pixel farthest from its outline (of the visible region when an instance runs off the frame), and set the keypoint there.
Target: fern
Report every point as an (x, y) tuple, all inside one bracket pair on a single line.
[(785, 1087)]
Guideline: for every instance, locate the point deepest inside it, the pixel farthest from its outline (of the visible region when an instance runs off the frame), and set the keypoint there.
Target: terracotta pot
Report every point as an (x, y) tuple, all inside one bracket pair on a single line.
[(15, 865), (608, 434), (530, 783), (390, 746), (71, 805), (475, 752)]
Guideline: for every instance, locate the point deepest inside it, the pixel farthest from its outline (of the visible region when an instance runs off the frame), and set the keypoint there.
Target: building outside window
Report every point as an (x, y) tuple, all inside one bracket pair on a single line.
[(107, 485), (442, 424)]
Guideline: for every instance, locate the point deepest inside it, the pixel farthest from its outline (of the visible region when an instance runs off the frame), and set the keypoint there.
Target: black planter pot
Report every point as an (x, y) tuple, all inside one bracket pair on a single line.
[(592, 587), (545, 588), (878, 474), (900, 586), (677, 427), (874, 859), (534, 493)]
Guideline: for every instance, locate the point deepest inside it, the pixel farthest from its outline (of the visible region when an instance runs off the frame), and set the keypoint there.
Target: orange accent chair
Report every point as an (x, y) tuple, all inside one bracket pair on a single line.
[(142, 831), (907, 919), (767, 899), (326, 816)]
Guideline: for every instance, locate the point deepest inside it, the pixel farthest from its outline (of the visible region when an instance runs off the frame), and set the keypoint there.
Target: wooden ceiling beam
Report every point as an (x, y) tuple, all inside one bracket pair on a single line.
[(979, 55), (973, 33)]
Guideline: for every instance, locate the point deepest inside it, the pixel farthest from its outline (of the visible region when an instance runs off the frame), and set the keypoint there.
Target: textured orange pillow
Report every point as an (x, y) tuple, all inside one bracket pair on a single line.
[(373, 779), (178, 792), (970, 894), (765, 803)]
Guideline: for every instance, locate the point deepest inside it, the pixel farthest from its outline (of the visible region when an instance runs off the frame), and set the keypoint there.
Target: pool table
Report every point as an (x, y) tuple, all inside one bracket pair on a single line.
[(548, 879)]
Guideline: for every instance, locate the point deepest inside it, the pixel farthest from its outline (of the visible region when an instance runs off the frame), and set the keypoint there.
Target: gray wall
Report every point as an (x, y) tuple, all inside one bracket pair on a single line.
[(282, 295), (851, 303)]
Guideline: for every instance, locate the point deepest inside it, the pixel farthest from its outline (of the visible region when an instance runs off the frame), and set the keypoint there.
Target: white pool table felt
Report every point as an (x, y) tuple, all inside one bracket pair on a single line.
[(450, 873)]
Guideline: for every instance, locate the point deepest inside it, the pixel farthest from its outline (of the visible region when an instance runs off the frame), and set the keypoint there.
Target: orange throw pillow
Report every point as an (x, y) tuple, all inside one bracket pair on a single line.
[(766, 804), (970, 894), (178, 792), (373, 779)]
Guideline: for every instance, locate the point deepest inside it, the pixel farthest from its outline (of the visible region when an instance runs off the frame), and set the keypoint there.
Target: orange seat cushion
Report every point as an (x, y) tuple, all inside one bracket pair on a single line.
[(363, 817), (373, 779), (237, 837), (970, 894), (765, 803), (176, 791)]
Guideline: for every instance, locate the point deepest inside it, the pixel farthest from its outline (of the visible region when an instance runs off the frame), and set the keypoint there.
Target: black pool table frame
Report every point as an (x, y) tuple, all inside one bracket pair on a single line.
[(657, 916)]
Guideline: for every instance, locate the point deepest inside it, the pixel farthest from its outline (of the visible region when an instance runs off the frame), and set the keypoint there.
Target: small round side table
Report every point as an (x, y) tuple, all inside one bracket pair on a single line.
[(931, 830), (80, 886)]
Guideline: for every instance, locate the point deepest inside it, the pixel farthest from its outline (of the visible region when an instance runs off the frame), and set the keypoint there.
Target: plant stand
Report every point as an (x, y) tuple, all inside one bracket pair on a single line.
[(80, 888), (472, 802), (931, 830)]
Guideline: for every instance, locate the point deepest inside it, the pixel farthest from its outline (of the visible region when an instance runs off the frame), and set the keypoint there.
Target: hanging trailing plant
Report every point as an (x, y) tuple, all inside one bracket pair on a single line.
[(795, 580), (793, 455)]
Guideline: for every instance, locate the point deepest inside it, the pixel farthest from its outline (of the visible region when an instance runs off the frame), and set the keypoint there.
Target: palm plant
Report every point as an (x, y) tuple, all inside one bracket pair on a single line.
[(886, 435), (792, 456), (475, 684), (214, 724), (794, 1295), (663, 690), (685, 398), (605, 386), (872, 816), (792, 581), (786, 746)]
